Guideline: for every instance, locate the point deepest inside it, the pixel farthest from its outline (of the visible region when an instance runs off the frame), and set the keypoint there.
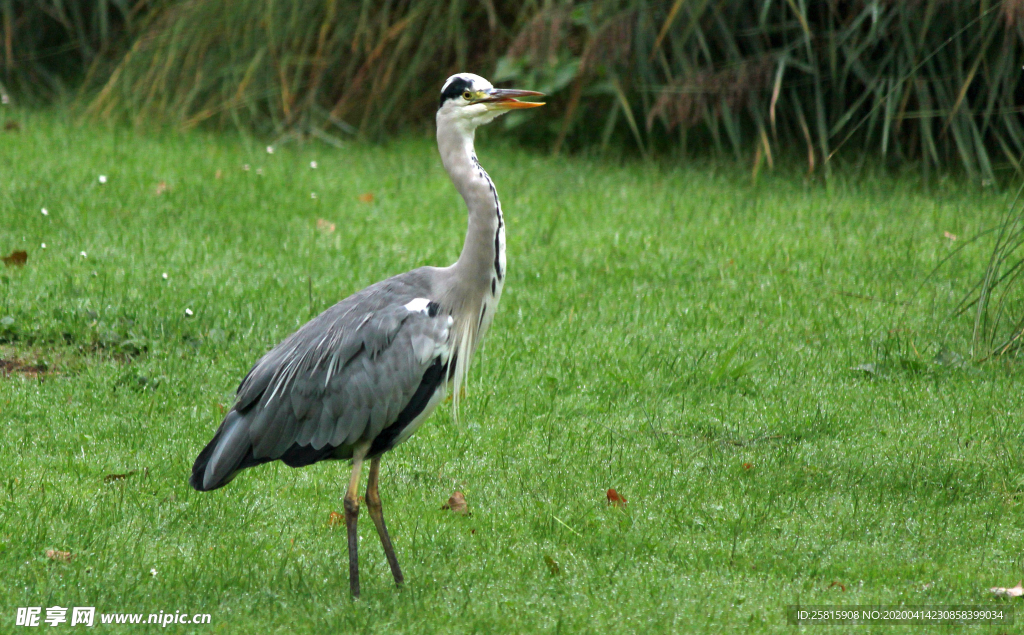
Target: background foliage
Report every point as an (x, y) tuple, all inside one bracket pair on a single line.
[(930, 80), (48, 47)]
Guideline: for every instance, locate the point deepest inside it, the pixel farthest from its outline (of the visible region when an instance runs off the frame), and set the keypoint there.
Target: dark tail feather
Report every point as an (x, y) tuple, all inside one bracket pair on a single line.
[(222, 458)]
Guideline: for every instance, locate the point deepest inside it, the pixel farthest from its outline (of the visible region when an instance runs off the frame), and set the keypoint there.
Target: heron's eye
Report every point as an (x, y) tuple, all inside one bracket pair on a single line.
[(467, 96)]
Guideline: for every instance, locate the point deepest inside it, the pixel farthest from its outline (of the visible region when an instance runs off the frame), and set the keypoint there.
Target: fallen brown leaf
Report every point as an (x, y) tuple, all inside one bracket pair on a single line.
[(12, 126), (218, 174), (110, 478), (59, 556), (366, 197), (748, 466), (16, 258), (457, 503), (1014, 592), (8, 366), (837, 583), (614, 498), (451, 395), (552, 565), (335, 520), (324, 225)]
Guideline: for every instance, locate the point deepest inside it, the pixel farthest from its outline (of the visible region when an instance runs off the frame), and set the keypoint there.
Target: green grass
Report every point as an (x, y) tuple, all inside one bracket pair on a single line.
[(680, 334)]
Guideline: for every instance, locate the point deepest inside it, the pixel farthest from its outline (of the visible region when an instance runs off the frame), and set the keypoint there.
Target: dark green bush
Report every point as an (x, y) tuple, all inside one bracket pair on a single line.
[(47, 47)]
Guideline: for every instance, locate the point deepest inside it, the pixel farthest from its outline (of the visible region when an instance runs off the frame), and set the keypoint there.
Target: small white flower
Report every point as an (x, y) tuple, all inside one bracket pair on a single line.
[(245, 168), (103, 178), (259, 171), (82, 254), (188, 313), (43, 246), (45, 213), (312, 195), (312, 165), (4, 99), (164, 276), (270, 149), (152, 572)]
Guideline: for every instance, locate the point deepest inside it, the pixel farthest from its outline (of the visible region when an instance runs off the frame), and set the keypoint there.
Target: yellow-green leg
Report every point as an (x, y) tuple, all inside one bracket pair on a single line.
[(377, 514), (351, 515)]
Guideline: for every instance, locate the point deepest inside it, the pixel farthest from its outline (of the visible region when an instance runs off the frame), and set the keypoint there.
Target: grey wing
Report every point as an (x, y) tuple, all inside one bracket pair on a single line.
[(340, 395), (336, 382)]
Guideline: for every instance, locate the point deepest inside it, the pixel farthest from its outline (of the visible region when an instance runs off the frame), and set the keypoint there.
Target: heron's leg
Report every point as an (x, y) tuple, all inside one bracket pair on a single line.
[(351, 514), (377, 514)]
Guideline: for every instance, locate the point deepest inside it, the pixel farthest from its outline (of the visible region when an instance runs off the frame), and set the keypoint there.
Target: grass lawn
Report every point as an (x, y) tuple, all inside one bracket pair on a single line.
[(682, 335)]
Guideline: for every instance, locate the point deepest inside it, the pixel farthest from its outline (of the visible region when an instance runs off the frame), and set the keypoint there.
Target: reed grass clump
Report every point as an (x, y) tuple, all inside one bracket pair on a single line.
[(933, 80), (930, 81), (325, 67), (995, 302)]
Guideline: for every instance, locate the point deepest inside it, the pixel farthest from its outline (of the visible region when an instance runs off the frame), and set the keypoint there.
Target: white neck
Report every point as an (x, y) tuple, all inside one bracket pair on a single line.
[(483, 253), (475, 281), (472, 286)]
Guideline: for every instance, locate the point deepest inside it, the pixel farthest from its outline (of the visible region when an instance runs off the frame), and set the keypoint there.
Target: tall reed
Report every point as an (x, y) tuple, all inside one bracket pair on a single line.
[(47, 47), (931, 81)]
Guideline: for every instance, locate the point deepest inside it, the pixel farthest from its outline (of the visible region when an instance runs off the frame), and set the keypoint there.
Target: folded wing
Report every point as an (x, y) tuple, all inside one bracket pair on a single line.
[(339, 381)]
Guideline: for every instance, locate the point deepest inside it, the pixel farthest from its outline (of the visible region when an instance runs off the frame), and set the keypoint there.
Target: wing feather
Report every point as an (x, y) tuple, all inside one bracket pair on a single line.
[(347, 432), (309, 422)]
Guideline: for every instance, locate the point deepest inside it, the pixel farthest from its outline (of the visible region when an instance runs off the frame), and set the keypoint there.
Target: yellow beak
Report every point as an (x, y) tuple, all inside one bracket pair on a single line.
[(505, 99)]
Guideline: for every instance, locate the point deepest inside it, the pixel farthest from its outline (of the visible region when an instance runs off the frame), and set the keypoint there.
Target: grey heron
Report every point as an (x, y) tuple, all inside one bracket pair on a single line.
[(358, 379)]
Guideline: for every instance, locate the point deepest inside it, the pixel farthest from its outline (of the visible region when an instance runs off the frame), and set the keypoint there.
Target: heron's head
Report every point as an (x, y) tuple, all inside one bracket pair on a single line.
[(468, 101)]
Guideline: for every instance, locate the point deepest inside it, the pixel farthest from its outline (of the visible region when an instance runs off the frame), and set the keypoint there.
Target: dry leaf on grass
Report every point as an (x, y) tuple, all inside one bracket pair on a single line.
[(12, 126), (614, 498), (366, 197), (8, 366), (161, 187), (218, 174), (748, 466), (451, 395), (16, 258), (949, 235), (59, 556), (837, 583), (324, 225), (457, 503), (335, 520), (1014, 592), (552, 565), (114, 477)]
